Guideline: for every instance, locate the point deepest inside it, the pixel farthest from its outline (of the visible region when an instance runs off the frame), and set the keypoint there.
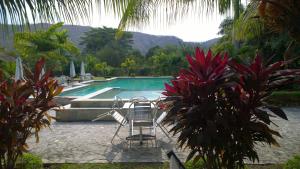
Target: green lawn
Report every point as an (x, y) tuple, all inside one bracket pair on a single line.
[(111, 166), (138, 166)]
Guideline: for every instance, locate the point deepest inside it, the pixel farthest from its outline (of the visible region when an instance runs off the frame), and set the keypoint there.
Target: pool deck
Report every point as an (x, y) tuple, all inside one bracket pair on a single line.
[(89, 142)]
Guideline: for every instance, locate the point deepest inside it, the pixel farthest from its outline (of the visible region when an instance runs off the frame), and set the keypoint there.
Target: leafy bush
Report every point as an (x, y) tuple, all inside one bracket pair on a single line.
[(24, 106), (192, 165), (293, 163), (215, 107), (30, 161)]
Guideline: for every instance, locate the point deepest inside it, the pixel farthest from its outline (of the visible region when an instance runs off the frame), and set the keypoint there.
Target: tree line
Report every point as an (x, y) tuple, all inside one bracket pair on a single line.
[(102, 53)]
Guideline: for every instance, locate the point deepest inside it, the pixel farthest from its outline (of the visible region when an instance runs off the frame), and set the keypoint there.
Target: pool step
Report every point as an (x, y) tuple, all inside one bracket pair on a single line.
[(92, 103), (68, 114)]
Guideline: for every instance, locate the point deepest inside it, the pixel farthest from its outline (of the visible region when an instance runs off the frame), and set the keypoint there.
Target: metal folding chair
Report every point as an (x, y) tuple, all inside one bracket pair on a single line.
[(140, 115), (158, 123), (115, 114)]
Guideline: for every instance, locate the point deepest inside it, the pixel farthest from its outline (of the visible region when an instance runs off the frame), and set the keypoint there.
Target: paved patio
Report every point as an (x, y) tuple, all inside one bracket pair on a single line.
[(89, 142)]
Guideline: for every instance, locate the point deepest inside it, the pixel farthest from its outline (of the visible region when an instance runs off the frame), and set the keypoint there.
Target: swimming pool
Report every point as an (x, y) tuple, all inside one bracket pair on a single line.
[(123, 87)]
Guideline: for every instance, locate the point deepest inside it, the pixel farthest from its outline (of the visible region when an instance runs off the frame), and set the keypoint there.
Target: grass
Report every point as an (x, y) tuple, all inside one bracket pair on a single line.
[(141, 166), (285, 98)]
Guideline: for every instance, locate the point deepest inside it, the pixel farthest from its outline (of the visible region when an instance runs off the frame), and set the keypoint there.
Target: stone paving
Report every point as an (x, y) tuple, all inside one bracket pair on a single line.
[(89, 142)]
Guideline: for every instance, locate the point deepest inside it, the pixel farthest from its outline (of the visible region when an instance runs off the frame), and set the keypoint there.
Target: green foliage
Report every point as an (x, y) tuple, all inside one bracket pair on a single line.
[(8, 68), (52, 44), (30, 161), (243, 44), (194, 164), (293, 163), (101, 43), (129, 65), (24, 107), (167, 61), (103, 69)]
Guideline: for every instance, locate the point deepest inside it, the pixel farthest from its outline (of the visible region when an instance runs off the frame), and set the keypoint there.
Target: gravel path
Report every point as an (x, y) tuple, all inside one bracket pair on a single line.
[(89, 142)]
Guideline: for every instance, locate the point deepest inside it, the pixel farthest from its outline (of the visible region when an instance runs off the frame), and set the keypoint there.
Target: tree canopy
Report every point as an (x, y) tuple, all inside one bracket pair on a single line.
[(52, 44)]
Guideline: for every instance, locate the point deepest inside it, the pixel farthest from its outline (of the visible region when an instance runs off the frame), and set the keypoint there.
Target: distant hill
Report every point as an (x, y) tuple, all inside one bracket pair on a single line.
[(141, 41)]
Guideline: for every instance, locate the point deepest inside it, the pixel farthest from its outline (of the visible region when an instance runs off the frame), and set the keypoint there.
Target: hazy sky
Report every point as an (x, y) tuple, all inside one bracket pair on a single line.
[(190, 28)]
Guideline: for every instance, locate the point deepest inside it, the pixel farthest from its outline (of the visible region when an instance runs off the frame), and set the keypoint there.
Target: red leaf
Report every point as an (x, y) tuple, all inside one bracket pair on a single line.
[(38, 68), (200, 56), (170, 88)]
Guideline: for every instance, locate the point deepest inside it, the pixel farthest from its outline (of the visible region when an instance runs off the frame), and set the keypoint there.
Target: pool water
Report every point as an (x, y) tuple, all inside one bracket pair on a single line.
[(128, 87)]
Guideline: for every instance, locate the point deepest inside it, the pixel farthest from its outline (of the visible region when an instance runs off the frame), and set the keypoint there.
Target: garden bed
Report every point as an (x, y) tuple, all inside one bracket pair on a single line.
[(140, 166)]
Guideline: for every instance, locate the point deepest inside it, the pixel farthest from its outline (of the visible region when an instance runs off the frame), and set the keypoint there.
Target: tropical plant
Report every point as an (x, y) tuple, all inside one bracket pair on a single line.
[(102, 69), (101, 43), (52, 44), (167, 60), (129, 65), (217, 107), (24, 106), (281, 16)]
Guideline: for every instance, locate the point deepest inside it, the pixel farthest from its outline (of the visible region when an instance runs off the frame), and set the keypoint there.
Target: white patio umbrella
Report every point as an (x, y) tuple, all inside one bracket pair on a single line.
[(82, 70), (19, 75), (72, 69)]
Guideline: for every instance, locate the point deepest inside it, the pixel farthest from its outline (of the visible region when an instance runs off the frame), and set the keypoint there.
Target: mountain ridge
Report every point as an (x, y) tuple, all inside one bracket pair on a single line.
[(141, 41)]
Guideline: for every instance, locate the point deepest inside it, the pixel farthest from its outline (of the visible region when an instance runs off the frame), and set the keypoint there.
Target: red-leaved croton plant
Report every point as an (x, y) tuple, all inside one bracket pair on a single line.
[(24, 106), (217, 107)]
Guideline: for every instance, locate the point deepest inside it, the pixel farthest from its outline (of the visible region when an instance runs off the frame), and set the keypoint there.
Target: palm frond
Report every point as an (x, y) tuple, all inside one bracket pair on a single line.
[(138, 13), (248, 25), (20, 12)]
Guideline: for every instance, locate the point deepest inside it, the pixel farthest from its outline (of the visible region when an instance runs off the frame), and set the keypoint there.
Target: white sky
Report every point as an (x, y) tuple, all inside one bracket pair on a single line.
[(191, 28)]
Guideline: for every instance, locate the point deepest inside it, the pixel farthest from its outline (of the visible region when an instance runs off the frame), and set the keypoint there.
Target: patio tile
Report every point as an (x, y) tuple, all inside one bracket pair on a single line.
[(89, 142)]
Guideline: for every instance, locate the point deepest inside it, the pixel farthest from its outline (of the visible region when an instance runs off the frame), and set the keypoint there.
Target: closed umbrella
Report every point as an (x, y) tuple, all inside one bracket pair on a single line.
[(19, 75), (72, 69), (82, 70)]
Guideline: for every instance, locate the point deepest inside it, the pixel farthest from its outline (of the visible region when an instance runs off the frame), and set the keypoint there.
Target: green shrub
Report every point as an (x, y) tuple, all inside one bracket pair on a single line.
[(285, 98), (30, 161), (194, 165), (293, 163)]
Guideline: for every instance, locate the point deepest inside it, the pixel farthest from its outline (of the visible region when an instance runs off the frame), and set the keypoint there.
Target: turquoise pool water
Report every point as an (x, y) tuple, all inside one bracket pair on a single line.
[(132, 85)]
